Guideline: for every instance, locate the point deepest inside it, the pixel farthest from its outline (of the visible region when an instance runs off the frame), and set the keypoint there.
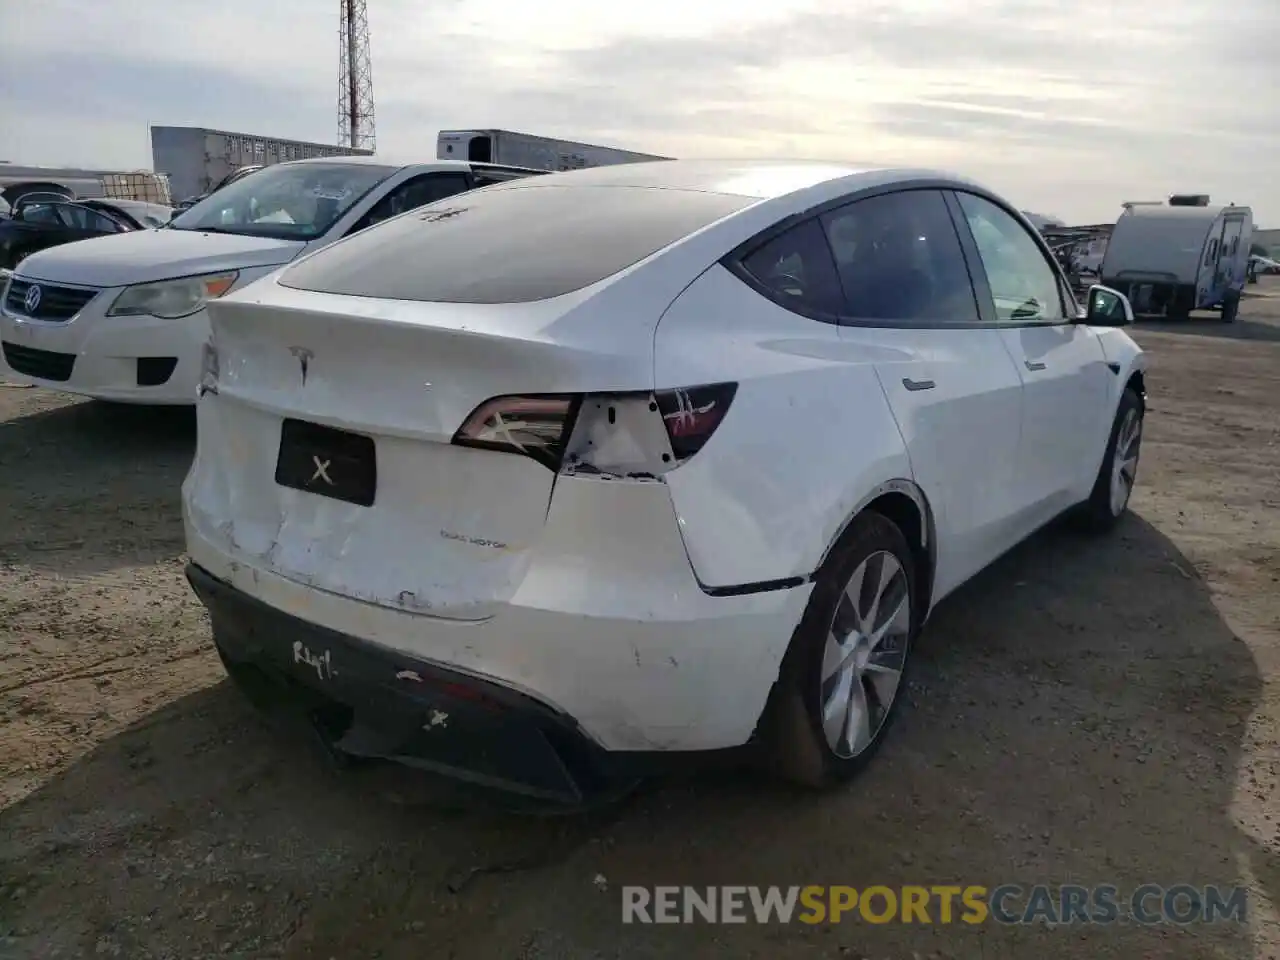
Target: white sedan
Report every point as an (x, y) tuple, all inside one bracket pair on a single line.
[(122, 317), (545, 483)]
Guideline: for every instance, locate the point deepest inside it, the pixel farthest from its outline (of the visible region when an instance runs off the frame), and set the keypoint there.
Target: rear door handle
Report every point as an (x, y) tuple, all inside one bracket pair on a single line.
[(918, 384), (1033, 364)]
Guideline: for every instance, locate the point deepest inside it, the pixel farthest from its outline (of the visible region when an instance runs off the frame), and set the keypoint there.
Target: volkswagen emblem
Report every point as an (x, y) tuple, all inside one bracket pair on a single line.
[(32, 301)]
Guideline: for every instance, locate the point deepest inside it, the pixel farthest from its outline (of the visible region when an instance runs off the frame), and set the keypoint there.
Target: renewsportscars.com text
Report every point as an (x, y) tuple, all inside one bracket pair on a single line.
[(938, 904)]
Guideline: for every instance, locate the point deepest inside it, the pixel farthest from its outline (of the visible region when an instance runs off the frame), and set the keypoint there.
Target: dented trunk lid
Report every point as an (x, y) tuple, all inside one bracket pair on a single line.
[(450, 530)]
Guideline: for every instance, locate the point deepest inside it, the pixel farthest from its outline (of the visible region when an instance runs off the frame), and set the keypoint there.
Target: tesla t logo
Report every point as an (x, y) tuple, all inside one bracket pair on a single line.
[(322, 471), (304, 358), (32, 301)]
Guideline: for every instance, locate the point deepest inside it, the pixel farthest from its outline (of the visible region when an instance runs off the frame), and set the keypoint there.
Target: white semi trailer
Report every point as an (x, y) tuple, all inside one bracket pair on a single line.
[(532, 152), (196, 159)]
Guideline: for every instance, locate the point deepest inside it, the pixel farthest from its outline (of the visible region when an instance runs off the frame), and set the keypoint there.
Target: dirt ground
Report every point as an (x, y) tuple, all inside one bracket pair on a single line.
[(1087, 711)]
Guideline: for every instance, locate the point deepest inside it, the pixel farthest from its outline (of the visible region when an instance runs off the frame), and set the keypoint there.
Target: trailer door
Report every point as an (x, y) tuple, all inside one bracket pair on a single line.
[(1229, 254), (1215, 269)]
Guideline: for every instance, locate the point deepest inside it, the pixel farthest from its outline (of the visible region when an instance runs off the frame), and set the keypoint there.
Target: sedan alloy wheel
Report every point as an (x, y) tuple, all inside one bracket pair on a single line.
[(865, 654)]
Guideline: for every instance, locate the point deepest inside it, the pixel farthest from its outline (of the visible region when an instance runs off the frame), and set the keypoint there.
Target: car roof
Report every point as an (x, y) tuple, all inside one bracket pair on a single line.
[(388, 163), (422, 166), (46, 196), (759, 179), (593, 225), (121, 203), (359, 158)]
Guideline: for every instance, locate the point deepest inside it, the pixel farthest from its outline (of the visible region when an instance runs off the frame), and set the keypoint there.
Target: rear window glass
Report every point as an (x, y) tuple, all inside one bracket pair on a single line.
[(510, 244)]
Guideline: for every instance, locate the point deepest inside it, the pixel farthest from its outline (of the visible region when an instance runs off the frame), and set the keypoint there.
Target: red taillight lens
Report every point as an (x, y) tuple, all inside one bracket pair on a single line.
[(609, 433), (536, 426), (691, 415)]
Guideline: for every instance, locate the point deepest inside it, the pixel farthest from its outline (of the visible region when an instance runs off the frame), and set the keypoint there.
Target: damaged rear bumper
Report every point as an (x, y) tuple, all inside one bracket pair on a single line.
[(373, 702)]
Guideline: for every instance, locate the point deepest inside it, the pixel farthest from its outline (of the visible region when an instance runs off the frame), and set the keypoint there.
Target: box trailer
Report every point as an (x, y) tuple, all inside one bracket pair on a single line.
[(526, 150), (1172, 258), (196, 158)]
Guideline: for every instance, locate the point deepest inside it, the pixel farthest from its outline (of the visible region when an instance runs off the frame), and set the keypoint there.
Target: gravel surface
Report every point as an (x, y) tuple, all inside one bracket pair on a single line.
[(1087, 711)]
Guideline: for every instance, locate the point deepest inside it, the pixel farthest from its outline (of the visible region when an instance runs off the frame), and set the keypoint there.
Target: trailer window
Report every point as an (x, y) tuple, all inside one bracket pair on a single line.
[(510, 244)]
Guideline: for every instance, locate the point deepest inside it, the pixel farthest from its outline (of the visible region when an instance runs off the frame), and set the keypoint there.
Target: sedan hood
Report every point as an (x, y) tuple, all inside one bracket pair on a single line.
[(145, 256)]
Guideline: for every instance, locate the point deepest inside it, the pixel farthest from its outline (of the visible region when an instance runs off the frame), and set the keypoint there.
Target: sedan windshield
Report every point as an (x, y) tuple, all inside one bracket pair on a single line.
[(288, 201)]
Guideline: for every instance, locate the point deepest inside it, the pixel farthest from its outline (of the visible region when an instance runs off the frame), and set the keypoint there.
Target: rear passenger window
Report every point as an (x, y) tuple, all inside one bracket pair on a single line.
[(41, 213), (414, 193), (899, 259), (796, 269), (82, 218)]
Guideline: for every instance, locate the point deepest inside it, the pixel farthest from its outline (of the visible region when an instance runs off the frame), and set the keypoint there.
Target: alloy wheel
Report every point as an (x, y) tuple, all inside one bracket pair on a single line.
[(865, 653), (1124, 466)]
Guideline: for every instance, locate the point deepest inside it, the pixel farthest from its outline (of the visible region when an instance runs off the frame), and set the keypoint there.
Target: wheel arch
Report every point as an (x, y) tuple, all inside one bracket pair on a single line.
[(904, 504), (1137, 382), (1127, 361)]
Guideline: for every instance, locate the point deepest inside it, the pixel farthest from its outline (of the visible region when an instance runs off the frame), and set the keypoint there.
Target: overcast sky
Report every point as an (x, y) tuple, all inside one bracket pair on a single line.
[(1069, 108)]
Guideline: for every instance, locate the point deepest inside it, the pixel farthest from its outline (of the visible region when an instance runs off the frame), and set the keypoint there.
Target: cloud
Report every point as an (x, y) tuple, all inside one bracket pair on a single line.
[(1071, 108)]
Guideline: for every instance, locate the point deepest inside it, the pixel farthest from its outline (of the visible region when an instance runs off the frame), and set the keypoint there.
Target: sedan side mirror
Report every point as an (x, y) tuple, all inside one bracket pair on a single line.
[(1108, 308)]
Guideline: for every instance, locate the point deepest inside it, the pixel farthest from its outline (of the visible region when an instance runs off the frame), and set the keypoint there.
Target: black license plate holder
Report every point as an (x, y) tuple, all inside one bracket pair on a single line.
[(328, 462)]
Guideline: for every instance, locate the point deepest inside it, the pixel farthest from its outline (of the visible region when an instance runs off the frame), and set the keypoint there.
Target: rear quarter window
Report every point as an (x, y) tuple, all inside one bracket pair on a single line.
[(797, 271), (510, 244)]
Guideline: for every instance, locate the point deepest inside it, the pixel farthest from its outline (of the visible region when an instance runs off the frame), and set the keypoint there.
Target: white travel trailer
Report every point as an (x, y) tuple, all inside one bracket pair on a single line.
[(1172, 258)]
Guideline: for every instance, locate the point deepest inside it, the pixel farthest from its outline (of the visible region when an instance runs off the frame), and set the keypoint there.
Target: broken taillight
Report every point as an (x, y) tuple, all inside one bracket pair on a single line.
[(637, 434), (692, 414), (536, 426)]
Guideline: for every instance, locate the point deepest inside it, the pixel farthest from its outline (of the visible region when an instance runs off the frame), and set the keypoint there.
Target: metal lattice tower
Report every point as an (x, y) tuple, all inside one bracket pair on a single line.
[(355, 78)]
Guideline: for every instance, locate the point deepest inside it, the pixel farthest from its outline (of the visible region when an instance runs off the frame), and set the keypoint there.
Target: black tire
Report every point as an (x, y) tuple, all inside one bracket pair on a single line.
[(1099, 512), (795, 745), (1231, 308)]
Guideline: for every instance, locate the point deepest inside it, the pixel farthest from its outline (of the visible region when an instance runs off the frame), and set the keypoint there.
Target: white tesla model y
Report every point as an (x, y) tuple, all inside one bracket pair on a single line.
[(543, 483)]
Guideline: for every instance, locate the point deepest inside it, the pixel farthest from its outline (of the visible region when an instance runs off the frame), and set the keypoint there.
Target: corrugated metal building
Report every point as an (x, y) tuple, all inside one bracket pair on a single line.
[(196, 158)]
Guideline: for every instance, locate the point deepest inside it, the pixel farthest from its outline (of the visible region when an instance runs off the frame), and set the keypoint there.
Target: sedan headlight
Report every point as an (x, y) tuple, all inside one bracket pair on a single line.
[(171, 299)]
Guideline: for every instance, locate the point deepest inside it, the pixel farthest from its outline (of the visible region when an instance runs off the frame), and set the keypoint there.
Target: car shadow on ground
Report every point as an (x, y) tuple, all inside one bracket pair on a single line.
[(1199, 325), (1259, 319), (92, 486), (1076, 715)]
